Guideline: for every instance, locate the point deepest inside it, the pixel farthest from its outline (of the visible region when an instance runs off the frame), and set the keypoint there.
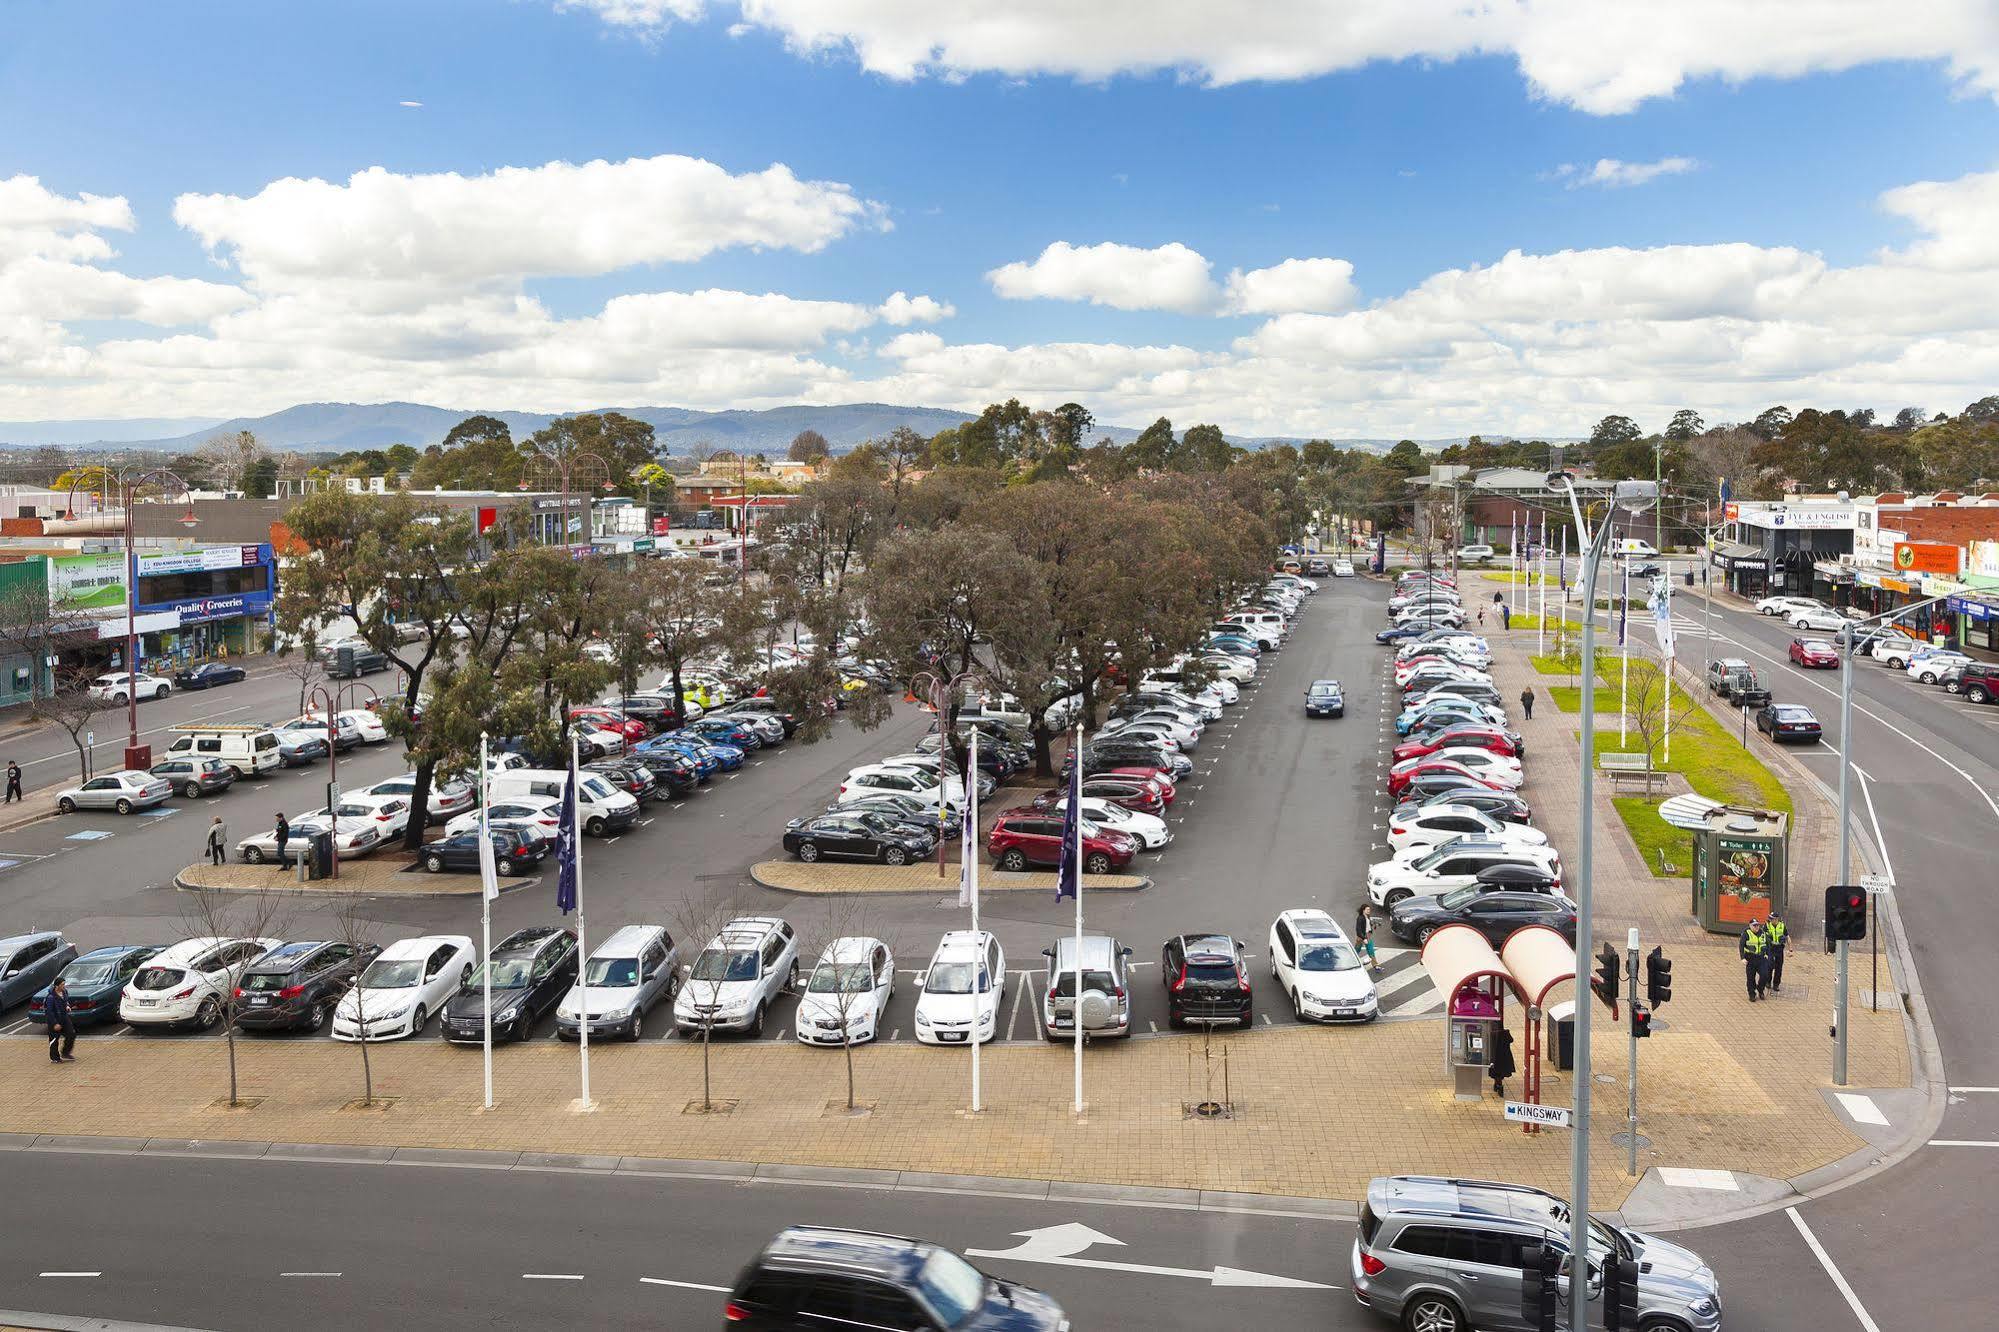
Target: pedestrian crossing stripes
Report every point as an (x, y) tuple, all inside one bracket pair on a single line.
[(1404, 989)]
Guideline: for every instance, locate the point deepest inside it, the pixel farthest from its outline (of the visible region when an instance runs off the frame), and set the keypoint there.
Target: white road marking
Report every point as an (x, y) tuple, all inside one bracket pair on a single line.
[(310, 1274), (71, 1274), (1960, 1142), (1680, 1177), (1812, 1242), (1408, 976), (1861, 1109), (1058, 1245), (1986, 1090), (683, 1285), (551, 1276)]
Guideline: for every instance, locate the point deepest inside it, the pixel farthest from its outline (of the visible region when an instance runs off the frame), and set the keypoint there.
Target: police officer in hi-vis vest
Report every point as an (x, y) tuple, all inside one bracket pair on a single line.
[(1777, 932), (1755, 948)]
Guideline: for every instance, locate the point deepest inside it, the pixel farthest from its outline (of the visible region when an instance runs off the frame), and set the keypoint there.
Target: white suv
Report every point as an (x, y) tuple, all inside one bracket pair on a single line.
[(737, 977), (1454, 865), (118, 687), (188, 983)]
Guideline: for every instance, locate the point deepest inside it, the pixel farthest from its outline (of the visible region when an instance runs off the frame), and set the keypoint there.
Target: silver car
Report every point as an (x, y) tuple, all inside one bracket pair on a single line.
[(1448, 1255), (1106, 988), (624, 977), (126, 791)]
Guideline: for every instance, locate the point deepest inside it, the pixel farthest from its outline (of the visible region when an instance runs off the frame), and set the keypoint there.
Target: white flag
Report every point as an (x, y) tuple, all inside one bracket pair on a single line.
[(489, 875), (1662, 621)]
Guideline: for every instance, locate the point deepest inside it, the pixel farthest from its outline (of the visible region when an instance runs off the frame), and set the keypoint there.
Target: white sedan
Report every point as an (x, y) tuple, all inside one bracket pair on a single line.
[(1819, 620), (353, 837), (448, 796), (1149, 829), (1787, 606), (847, 994), (542, 813), (1499, 769), (370, 726), (403, 987), (1319, 970), (1228, 666), (188, 983), (963, 989), (1432, 825), (918, 785), (1343, 569), (1930, 668)]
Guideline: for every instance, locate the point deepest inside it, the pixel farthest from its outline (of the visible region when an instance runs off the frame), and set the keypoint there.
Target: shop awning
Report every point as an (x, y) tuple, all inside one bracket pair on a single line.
[(1539, 959), (1739, 554)]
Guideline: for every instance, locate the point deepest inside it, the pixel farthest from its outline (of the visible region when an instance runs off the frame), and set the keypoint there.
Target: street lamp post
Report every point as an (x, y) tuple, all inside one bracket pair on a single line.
[(330, 701), (565, 464)]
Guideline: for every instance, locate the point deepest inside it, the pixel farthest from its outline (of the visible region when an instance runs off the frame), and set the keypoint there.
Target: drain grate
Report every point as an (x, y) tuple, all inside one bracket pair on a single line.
[(1207, 1110)]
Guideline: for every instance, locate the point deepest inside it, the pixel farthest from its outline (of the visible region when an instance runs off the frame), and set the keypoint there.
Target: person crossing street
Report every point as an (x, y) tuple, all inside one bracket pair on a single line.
[(1755, 950)]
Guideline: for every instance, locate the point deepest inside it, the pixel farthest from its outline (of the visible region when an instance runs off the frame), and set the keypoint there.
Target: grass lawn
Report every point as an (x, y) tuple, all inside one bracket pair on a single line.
[(1530, 579), (1668, 851), (1569, 698), (1552, 665), (1554, 623)]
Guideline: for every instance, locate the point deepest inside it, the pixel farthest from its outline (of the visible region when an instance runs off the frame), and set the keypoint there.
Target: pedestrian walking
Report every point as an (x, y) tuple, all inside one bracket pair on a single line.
[(1778, 935), (13, 781), (284, 833), (1755, 945), (1481, 617), (62, 1027), (1501, 1068), (1363, 933), (1505, 616), (1527, 702), (218, 841)]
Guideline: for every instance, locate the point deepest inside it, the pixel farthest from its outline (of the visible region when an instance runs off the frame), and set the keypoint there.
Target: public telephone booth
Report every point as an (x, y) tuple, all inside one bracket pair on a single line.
[(1475, 979)]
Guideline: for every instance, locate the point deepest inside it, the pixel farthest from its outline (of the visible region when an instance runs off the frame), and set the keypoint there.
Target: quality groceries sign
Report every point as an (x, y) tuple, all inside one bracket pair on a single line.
[(87, 582)]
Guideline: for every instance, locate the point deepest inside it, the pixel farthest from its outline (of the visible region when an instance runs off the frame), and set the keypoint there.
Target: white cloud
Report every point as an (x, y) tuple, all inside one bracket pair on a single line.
[(1609, 173), (902, 309), (1600, 57), (1125, 277), (414, 106), (1320, 286)]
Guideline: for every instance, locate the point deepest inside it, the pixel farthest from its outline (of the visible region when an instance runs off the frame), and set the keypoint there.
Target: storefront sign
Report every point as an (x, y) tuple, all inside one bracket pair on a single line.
[(87, 582), (1984, 559), (205, 559), (113, 627), (1927, 557), (1973, 610), (1797, 517)]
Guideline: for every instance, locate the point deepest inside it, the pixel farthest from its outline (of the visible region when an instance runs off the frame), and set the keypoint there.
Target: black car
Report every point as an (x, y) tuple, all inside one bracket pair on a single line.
[(895, 807), (531, 970), (1505, 805), (656, 710), (1427, 786), (213, 673), (761, 707), (1496, 915), (675, 774), (194, 777), (811, 1276), (851, 837), (1109, 752), (632, 776), (296, 986), (1206, 979), (1324, 699), (1786, 722), (515, 851)]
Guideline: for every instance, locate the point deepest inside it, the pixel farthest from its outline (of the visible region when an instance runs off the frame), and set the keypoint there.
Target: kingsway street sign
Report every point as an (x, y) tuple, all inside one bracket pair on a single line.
[(1520, 1112)]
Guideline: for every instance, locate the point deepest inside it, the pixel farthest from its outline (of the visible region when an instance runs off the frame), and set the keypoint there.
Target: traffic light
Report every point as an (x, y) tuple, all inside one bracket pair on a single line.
[(1641, 1020), (1845, 912), (1658, 977), (1540, 1286), (1605, 981), (1620, 1294)]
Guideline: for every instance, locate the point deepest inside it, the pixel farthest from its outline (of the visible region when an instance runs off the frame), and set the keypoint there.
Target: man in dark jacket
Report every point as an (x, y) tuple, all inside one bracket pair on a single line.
[(1502, 1067), (284, 833), (62, 1027), (1527, 702)]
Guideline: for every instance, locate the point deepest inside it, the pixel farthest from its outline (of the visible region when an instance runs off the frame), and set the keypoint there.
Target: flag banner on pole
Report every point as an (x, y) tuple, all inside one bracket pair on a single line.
[(968, 837), (1624, 604), (489, 875), (1068, 881), (1662, 622), (565, 848)]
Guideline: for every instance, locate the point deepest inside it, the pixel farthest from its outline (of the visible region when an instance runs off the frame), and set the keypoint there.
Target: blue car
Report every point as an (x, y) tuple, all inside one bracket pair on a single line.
[(706, 765), (1235, 643), (729, 756), (720, 730), (96, 981), (1399, 632)]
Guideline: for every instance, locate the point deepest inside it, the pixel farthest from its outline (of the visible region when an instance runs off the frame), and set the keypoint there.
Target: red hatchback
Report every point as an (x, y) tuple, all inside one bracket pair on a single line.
[(1159, 782), (1130, 792), (612, 720), (1814, 653), (1397, 781), (1027, 837), (1456, 737)]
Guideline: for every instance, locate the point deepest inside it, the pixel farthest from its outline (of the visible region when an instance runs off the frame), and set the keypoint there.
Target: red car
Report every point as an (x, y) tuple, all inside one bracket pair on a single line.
[(1456, 737), (1027, 836), (612, 720), (1397, 781), (1130, 792), (1161, 782), (1814, 653)]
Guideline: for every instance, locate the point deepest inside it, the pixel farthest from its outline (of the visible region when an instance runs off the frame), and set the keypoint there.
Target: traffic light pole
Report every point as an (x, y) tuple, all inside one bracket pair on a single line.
[(1845, 849), (1631, 1028)]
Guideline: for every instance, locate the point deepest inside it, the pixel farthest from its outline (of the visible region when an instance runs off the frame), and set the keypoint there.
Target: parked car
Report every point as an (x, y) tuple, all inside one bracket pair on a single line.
[(1433, 825), (1319, 970), (1438, 766), (186, 984), (1735, 680), (1897, 649), (367, 724), (194, 777), (1102, 963), (812, 1276), (1788, 722), (896, 808), (1979, 682), (1495, 769), (1150, 830), (29, 962), (353, 837), (1452, 865), (405, 983), (1930, 668), (95, 981), (530, 970), (448, 796), (962, 990), (846, 836), (516, 850), (298, 748), (1506, 805), (1459, 735), (1207, 981), (1814, 654), (295, 986), (1343, 569), (127, 791), (1496, 915), (120, 688), (391, 814), (763, 707), (1324, 699), (628, 974), (1818, 620), (1026, 836), (610, 719), (737, 976), (343, 735), (923, 786), (1126, 790), (847, 993), (1788, 606), (1427, 1246), (208, 675), (541, 815)]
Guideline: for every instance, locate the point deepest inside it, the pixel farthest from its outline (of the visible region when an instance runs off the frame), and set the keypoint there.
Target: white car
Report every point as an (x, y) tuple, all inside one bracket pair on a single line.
[(962, 990), (1787, 606), (1149, 829), (354, 837), (346, 731), (1343, 569), (1455, 864), (391, 814), (742, 971), (1479, 553), (409, 981), (847, 993), (1820, 620), (542, 813), (126, 790), (447, 796), (1406, 672), (366, 723), (188, 983), (1228, 666), (1930, 668), (1319, 970), (1183, 733), (119, 687), (1501, 770), (923, 786), (1432, 825)]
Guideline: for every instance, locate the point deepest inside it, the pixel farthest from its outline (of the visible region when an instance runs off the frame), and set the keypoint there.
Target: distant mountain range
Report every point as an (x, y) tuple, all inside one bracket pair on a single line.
[(339, 427)]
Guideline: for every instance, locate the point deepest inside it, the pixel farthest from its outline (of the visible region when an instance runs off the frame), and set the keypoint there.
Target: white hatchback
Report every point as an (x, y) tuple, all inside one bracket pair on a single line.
[(409, 981), (1150, 830), (963, 990), (1319, 970), (188, 983), (847, 993)]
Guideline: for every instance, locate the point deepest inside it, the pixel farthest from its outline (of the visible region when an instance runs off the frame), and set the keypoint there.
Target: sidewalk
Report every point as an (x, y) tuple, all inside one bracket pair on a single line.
[(390, 872)]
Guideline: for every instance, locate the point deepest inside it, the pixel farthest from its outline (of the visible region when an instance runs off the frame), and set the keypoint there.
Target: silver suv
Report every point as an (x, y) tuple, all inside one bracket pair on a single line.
[(1106, 992), (737, 977), (1446, 1255)]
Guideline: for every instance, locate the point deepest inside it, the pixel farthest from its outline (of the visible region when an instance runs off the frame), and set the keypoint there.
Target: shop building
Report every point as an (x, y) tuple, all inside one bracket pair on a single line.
[(1770, 547)]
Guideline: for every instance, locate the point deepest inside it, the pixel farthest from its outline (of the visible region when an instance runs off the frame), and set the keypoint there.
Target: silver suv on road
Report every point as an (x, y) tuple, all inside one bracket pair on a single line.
[(1448, 1255)]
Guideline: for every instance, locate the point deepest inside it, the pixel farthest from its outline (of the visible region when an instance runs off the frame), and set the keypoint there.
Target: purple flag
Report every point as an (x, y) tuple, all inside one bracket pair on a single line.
[(1068, 879), (565, 846)]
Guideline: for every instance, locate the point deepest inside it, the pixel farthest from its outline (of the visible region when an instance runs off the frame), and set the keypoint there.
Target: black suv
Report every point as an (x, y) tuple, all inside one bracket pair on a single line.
[(296, 985), (674, 773), (628, 774), (761, 707), (814, 1277), (532, 969), (1980, 682), (1207, 980)]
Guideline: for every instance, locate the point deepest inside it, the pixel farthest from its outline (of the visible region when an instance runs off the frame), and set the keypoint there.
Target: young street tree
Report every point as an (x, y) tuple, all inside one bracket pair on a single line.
[(70, 706), (353, 928), (713, 966), (1646, 708), (849, 978), (247, 918)]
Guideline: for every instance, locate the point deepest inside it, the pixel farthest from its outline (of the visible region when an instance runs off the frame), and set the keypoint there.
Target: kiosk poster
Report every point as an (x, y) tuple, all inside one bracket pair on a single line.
[(1744, 873)]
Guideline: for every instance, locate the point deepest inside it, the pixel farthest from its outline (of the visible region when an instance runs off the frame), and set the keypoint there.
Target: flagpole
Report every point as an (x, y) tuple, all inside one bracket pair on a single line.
[(486, 919), (1541, 586), (582, 944), (1667, 662), (1076, 811), (1623, 655), (971, 871)]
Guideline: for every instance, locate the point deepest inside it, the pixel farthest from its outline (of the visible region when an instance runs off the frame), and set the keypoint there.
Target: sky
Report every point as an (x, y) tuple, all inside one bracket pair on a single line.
[(1371, 218)]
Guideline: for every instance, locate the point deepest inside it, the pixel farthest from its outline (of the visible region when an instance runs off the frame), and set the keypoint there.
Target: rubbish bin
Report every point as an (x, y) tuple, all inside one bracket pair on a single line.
[(1560, 1043), (1690, 578), (322, 855)]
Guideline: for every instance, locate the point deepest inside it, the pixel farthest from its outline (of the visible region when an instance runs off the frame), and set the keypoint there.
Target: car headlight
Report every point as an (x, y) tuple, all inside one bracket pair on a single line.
[(508, 1016), (922, 1020), (1704, 1307), (616, 1014)]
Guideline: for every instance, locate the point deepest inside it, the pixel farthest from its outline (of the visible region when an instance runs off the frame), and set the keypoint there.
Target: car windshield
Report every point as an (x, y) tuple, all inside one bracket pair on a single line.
[(951, 1286), (841, 978), (89, 973), (1327, 955), (1325, 689), (616, 972), (507, 973), (1457, 897), (950, 978), (402, 974), (717, 964)]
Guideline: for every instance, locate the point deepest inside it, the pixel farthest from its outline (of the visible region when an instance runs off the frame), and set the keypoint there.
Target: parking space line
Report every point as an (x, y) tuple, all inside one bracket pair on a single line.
[(551, 1276), (1818, 1251), (683, 1285)]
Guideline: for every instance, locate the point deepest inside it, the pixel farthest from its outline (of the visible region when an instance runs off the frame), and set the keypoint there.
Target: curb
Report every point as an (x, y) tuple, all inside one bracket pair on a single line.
[(292, 889), (993, 881)]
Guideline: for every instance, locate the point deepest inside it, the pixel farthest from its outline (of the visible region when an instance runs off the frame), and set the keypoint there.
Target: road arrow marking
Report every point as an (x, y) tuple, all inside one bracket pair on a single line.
[(1057, 1246)]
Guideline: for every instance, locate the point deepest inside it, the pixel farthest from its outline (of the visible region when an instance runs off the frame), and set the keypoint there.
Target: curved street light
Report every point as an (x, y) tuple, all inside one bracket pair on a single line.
[(565, 466)]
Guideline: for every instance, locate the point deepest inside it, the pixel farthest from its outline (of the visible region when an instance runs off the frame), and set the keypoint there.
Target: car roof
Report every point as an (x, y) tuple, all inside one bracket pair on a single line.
[(818, 1248), (1310, 921), (850, 948), (421, 946), (1433, 1196), (13, 942), (186, 949), (1098, 950), (110, 951), (965, 943), (627, 940), (529, 940), (747, 931)]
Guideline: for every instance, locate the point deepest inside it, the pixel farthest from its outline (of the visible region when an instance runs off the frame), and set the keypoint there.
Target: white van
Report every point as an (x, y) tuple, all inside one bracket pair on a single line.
[(248, 749), (599, 808), (1631, 546)]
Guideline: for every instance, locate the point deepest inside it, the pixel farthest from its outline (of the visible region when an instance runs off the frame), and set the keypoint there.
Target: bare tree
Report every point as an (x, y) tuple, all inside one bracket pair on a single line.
[(1646, 708), (70, 706), (850, 979), (30, 627), (226, 457), (299, 659), (353, 928), (246, 917), (706, 975), (701, 450)]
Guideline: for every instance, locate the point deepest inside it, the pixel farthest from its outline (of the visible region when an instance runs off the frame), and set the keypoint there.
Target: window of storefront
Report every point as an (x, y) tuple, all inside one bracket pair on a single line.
[(159, 589)]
